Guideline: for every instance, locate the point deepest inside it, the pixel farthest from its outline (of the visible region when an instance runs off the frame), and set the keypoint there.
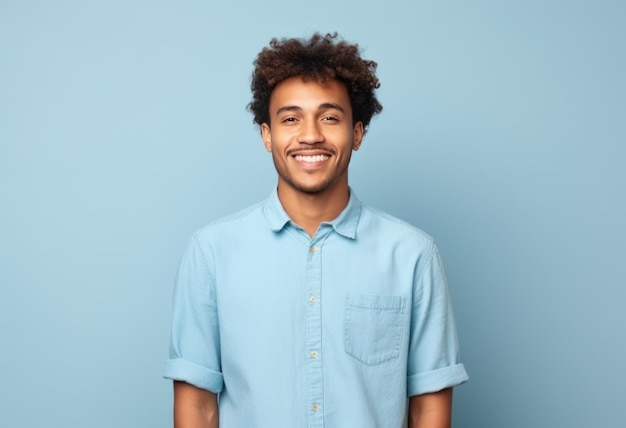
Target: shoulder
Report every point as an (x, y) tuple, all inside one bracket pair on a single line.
[(381, 222), (401, 242), (232, 224), (394, 235)]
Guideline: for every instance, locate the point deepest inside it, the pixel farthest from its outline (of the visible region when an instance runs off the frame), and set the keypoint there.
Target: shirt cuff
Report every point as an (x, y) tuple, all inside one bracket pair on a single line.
[(436, 380), (194, 374)]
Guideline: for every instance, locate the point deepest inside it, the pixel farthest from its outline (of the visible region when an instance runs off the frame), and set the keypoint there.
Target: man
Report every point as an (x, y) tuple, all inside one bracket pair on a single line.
[(311, 309)]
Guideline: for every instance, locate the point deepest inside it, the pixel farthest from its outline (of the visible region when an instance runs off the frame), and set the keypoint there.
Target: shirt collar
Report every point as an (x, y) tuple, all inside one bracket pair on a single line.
[(345, 223)]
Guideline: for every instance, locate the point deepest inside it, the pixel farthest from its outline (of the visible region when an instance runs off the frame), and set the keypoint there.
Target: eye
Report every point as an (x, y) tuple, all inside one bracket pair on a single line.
[(329, 119), (289, 119)]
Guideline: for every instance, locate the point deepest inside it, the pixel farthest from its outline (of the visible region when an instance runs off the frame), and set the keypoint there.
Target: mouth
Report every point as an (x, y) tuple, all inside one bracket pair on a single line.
[(311, 158)]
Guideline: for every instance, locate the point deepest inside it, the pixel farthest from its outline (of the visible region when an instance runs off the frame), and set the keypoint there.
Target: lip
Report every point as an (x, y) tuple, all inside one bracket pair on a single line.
[(310, 158), (309, 152)]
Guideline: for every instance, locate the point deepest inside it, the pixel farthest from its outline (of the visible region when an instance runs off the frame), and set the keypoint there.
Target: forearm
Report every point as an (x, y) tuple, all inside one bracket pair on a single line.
[(194, 407), (431, 410)]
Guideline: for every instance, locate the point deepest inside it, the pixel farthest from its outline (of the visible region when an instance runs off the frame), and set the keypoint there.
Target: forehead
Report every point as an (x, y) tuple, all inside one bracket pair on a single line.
[(309, 94)]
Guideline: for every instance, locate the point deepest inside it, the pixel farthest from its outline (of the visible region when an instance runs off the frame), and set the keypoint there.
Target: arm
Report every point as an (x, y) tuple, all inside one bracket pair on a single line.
[(194, 407), (431, 410)]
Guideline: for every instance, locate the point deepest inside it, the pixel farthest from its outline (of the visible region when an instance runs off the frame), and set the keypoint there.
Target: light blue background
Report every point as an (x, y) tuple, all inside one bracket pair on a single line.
[(123, 128)]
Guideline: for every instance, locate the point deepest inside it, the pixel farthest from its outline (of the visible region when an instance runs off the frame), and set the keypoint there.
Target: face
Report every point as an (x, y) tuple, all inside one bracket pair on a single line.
[(311, 135)]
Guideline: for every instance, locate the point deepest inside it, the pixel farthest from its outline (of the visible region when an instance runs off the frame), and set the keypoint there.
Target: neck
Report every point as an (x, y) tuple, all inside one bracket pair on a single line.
[(309, 210)]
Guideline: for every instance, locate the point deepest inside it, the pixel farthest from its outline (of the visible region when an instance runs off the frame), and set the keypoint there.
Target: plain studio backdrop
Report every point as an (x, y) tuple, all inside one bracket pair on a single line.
[(123, 129)]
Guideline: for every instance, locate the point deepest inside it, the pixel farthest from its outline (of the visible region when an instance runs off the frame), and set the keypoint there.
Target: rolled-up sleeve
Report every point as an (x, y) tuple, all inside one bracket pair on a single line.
[(194, 355), (433, 362)]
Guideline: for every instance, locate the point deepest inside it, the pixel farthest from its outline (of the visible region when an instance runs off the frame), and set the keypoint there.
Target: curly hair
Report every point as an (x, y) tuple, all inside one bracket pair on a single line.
[(321, 58)]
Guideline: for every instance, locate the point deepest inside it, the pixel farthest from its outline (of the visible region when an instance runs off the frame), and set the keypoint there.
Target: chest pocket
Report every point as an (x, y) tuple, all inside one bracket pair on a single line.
[(373, 328)]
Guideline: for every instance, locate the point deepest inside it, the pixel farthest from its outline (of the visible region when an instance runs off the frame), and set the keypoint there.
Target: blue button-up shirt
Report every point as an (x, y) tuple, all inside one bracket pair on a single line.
[(334, 330)]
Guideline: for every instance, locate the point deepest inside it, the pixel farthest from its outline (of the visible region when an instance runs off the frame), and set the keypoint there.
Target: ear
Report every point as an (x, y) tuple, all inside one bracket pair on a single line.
[(267, 137), (358, 136)]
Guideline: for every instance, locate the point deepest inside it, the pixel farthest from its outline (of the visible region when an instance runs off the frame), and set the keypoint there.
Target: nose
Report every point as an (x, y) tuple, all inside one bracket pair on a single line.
[(310, 132)]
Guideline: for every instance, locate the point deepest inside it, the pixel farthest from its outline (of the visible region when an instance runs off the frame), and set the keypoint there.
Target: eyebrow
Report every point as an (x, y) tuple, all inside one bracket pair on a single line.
[(323, 106)]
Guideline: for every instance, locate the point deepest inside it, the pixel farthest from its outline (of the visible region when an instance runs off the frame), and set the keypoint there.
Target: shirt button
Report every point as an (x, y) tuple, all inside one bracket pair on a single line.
[(315, 407), (313, 248), (313, 299), (314, 354)]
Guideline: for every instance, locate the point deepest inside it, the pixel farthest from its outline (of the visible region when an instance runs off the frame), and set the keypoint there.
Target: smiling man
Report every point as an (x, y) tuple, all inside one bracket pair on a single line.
[(311, 309)]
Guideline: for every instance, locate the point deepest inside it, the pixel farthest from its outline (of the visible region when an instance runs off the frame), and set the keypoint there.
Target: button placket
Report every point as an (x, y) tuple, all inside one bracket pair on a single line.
[(314, 329)]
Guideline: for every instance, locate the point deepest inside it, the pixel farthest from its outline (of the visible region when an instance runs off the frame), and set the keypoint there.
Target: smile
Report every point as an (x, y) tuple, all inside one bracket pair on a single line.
[(316, 158)]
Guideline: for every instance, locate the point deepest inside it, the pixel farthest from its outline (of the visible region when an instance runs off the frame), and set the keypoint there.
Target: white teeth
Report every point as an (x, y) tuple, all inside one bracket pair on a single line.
[(316, 158)]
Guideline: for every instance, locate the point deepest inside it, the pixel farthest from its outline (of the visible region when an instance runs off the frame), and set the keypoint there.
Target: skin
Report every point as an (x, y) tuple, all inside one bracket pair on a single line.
[(432, 410), (194, 407), (308, 118), (311, 137)]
